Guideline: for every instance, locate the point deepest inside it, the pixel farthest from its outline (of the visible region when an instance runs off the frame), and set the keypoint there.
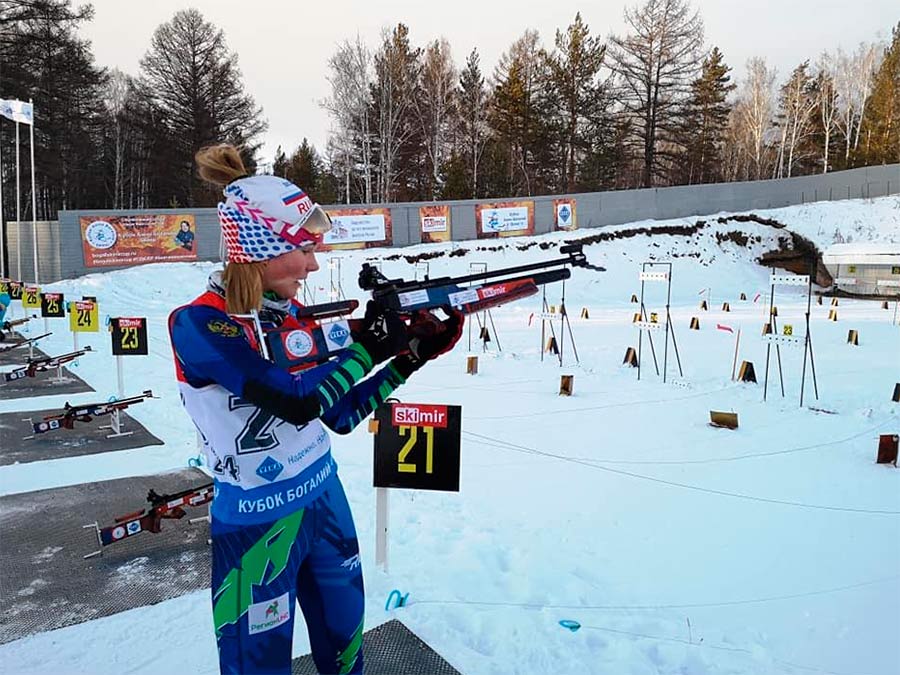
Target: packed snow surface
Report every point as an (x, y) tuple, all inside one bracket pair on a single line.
[(678, 547)]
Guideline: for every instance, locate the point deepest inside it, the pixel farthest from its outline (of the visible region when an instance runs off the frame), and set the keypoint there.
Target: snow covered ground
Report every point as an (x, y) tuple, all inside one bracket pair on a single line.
[(679, 548)]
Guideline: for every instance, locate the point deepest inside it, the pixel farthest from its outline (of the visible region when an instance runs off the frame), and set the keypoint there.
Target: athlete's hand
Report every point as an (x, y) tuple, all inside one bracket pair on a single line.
[(382, 333), (429, 337)]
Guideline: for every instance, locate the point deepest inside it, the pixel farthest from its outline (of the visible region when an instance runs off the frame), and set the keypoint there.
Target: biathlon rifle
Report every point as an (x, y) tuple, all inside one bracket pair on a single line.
[(85, 413), (22, 343), (470, 293), (43, 363), (8, 325), (150, 520), (473, 292)]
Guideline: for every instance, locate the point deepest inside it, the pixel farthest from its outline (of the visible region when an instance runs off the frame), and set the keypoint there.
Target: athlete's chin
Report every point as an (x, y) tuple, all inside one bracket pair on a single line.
[(287, 290)]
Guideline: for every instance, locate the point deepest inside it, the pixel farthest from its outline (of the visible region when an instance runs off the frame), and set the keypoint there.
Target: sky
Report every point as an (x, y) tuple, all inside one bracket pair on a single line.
[(284, 46)]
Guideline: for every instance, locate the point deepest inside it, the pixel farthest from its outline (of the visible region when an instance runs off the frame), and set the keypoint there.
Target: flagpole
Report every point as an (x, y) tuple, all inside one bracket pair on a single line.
[(34, 242), (18, 212), (2, 222)]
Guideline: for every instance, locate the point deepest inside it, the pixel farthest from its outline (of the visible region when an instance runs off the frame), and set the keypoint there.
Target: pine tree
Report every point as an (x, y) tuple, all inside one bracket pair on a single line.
[(706, 122), (456, 183), (195, 81), (881, 124), (796, 104), (575, 94), (42, 58), (515, 117), (304, 169), (280, 164), (472, 107)]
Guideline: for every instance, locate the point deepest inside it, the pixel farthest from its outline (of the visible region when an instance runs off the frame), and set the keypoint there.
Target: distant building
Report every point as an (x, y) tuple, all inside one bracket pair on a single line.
[(865, 268)]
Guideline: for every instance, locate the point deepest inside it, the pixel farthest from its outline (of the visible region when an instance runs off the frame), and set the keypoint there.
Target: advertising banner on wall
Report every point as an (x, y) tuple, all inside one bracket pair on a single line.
[(564, 210), (109, 241), (504, 219), (435, 223), (358, 228)]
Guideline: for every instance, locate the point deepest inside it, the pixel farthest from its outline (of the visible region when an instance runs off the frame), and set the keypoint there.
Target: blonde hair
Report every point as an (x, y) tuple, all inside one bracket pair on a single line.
[(243, 286), (220, 164)]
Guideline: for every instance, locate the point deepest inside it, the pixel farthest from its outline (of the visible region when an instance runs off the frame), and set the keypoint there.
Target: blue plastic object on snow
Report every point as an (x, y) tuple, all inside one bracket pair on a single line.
[(570, 624), (401, 600)]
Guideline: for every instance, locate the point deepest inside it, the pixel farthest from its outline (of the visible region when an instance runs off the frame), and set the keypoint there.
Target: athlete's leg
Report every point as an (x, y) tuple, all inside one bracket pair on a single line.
[(330, 586), (254, 569)]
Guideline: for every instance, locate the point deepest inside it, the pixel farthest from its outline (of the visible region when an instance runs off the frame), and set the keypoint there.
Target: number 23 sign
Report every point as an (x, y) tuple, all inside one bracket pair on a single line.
[(129, 336), (417, 446)]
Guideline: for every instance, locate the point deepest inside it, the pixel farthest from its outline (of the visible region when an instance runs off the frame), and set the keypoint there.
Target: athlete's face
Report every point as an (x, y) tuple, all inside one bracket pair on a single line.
[(284, 273)]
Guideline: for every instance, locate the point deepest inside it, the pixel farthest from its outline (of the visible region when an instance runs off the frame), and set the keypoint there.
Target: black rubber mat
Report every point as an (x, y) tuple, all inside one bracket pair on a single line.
[(16, 356), (390, 649), (87, 438), (44, 581), (45, 384)]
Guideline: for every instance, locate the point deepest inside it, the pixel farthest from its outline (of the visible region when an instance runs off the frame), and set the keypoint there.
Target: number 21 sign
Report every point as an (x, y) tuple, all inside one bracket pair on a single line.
[(417, 446)]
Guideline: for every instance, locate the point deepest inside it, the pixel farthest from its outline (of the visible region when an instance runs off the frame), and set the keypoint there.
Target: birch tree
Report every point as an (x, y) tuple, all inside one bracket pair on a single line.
[(755, 110), (350, 77), (434, 107), (854, 74), (826, 101), (396, 78), (116, 99)]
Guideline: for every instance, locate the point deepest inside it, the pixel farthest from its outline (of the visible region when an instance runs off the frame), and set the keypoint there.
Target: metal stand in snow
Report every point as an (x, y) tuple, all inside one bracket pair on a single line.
[(547, 319), (483, 317), (650, 322), (788, 338), (336, 292)]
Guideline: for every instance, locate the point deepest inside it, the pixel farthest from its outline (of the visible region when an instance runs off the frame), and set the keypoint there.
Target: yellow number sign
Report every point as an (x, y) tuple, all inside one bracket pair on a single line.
[(406, 467), (788, 329), (31, 297), (84, 317)]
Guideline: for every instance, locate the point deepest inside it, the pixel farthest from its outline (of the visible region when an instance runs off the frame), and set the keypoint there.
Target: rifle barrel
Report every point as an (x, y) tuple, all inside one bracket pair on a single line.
[(401, 285)]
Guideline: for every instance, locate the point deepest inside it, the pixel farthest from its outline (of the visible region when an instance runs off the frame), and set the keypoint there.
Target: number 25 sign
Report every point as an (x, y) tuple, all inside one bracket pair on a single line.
[(417, 446)]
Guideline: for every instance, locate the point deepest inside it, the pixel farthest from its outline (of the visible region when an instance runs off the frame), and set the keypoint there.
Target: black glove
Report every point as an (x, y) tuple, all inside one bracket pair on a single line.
[(382, 333), (429, 337)]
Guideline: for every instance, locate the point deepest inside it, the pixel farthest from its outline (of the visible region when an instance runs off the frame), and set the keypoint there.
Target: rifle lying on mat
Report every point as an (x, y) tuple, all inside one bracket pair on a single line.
[(22, 343), (406, 297), (150, 520), (44, 363), (84, 413), (9, 325)]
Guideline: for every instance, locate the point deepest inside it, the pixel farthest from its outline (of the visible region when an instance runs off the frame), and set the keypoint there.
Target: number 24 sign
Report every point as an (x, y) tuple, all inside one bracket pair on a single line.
[(417, 446)]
